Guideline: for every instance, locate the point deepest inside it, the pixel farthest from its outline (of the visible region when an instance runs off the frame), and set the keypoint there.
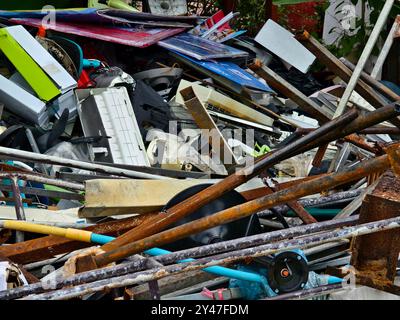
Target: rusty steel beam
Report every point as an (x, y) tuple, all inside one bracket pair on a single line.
[(281, 85), (337, 67), (240, 211), (49, 246), (375, 256), (319, 156), (335, 129)]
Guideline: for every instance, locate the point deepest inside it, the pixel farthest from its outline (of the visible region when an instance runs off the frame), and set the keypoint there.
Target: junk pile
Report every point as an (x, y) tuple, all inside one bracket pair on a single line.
[(157, 155)]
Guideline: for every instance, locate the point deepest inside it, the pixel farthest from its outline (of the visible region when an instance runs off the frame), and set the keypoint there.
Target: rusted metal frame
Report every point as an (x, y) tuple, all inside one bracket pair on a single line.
[(281, 85), (19, 208), (331, 131), (337, 67), (222, 259), (309, 293), (373, 82), (211, 249), (213, 192), (375, 256), (47, 247), (295, 206), (244, 210)]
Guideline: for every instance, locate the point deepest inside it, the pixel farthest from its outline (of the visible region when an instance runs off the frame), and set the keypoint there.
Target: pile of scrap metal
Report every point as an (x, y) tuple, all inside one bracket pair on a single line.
[(156, 155)]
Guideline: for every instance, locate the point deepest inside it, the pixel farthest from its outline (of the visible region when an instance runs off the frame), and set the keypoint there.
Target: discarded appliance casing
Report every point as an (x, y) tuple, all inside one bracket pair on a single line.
[(108, 112)]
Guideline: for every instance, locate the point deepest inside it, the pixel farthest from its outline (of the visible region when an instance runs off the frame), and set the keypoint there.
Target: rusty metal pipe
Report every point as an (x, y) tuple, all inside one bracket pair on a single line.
[(240, 211), (231, 182)]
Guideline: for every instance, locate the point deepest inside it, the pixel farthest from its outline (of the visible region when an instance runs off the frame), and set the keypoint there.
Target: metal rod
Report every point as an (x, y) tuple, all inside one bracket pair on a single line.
[(380, 23), (223, 259), (240, 211), (19, 208), (211, 249), (31, 156), (44, 180)]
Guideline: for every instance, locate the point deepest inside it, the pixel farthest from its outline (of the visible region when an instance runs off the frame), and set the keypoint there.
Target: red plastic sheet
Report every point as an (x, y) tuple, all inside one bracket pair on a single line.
[(134, 37)]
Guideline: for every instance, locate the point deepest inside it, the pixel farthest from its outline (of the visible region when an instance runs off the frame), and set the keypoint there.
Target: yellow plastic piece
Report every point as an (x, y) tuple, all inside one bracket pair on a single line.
[(73, 234)]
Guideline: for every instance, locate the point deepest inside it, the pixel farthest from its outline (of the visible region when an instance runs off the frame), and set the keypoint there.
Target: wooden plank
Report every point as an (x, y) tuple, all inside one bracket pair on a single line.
[(106, 197)]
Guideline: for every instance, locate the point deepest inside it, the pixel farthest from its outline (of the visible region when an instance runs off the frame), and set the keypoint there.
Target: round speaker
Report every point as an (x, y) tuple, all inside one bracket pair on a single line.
[(287, 272)]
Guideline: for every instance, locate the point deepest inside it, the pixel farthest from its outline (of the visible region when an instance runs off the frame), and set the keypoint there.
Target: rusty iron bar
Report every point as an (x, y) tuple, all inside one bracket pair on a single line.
[(363, 144), (215, 248), (213, 192), (319, 156), (222, 259), (240, 211), (19, 208)]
